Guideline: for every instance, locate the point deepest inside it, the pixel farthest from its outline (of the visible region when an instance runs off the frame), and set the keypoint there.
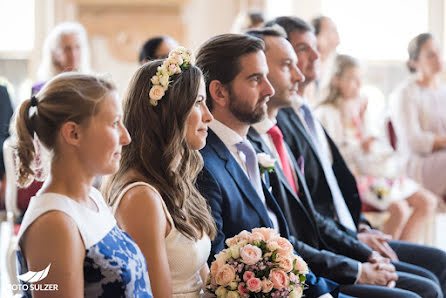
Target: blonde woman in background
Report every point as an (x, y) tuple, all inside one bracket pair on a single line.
[(378, 170)]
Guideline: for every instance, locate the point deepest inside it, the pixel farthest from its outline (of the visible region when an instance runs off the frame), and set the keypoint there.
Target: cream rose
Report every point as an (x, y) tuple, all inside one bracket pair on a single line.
[(233, 285), (155, 80), (221, 292), (223, 255), (250, 254), (156, 92), (164, 80), (267, 285), (272, 245), (296, 292), (265, 160), (225, 275), (235, 251), (232, 294), (300, 265)]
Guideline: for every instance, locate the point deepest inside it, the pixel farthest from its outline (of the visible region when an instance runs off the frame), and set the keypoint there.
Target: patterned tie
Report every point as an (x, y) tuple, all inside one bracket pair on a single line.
[(277, 137), (252, 166), (342, 211)]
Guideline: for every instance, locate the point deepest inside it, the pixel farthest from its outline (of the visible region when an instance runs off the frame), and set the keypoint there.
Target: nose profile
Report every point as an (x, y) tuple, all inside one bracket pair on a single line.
[(125, 136), (268, 89), (298, 76), (206, 114)]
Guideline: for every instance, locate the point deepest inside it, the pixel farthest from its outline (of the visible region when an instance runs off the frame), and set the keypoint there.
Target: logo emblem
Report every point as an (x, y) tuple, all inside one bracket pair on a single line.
[(32, 276)]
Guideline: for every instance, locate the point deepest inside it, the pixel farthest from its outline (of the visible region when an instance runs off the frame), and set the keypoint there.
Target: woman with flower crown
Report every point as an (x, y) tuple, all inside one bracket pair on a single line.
[(153, 195)]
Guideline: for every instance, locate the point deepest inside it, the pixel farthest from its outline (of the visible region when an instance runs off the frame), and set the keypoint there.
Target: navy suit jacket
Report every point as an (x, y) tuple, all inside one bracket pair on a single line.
[(329, 251), (301, 144), (236, 206)]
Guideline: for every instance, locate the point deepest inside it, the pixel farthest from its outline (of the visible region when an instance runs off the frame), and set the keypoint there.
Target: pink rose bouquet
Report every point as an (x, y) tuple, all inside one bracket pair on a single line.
[(257, 264)]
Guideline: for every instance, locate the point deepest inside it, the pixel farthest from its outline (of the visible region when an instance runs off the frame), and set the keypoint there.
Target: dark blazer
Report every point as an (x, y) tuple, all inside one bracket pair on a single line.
[(236, 206), (329, 251), (301, 144), (5, 117)]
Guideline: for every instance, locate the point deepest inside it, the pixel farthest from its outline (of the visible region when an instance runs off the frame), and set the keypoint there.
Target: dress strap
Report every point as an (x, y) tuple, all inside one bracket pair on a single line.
[(140, 183)]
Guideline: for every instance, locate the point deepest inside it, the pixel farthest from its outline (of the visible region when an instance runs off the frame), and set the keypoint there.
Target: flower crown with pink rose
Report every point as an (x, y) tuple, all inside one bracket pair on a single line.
[(177, 61)]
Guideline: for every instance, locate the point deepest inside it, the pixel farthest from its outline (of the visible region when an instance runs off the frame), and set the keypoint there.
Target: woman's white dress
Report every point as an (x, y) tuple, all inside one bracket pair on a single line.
[(380, 173), (185, 256), (418, 115)]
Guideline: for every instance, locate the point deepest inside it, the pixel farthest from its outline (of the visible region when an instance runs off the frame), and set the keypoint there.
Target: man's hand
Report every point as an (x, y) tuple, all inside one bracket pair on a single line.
[(377, 240), (378, 274), (376, 258)]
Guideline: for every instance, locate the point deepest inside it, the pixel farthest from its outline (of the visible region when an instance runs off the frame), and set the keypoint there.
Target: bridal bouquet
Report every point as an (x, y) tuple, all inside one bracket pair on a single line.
[(257, 264)]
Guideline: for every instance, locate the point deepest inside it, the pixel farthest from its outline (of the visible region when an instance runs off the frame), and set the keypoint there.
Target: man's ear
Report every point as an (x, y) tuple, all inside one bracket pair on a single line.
[(219, 93), (70, 132)]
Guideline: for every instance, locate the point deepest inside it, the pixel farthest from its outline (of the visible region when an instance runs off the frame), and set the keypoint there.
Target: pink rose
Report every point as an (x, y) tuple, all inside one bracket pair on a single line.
[(285, 262), (254, 285), (285, 246), (267, 233), (217, 264), (300, 265), (256, 237), (225, 275), (279, 279), (248, 275), (267, 285), (250, 254)]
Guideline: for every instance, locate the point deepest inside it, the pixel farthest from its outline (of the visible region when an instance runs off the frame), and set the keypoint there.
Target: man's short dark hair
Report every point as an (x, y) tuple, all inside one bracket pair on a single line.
[(275, 31), (219, 57), (291, 24)]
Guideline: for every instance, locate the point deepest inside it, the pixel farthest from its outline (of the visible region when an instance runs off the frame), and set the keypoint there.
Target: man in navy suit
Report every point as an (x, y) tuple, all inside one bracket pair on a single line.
[(235, 69), (329, 251), (331, 184)]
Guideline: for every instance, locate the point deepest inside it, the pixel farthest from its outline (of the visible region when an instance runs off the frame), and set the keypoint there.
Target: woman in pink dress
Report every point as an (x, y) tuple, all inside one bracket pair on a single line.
[(379, 171)]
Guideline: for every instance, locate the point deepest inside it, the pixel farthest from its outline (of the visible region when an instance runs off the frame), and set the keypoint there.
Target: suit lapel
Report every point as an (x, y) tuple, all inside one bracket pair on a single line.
[(239, 177), (294, 118)]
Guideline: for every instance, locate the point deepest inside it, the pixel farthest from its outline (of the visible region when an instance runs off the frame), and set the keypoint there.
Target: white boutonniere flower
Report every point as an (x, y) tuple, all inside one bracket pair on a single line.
[(266, 163)]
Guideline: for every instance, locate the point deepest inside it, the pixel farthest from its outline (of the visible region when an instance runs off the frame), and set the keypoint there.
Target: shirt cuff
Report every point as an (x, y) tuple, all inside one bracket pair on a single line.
[(359, 272), (328, 295)]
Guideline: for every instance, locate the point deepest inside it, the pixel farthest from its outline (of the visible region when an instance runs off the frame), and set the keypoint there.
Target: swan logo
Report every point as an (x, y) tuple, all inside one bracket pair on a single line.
[(30, 278), (34, 276)]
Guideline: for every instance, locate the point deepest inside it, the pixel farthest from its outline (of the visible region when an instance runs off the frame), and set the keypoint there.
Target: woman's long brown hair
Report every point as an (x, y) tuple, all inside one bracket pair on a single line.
[(158, 139)]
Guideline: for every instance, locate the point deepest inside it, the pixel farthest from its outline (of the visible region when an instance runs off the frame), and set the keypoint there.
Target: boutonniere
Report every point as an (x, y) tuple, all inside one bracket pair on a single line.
[(266, 163)]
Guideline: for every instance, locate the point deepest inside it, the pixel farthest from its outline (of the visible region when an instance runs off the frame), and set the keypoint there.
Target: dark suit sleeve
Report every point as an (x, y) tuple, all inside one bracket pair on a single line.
[(210, 190), (338, 268), (342, 242)]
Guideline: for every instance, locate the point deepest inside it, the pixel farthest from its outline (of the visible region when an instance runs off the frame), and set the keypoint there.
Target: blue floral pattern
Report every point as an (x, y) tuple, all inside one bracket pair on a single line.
[(114, 267)]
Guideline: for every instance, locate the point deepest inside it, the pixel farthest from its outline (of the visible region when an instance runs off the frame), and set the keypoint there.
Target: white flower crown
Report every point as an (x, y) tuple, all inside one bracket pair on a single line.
[(178, 60)]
